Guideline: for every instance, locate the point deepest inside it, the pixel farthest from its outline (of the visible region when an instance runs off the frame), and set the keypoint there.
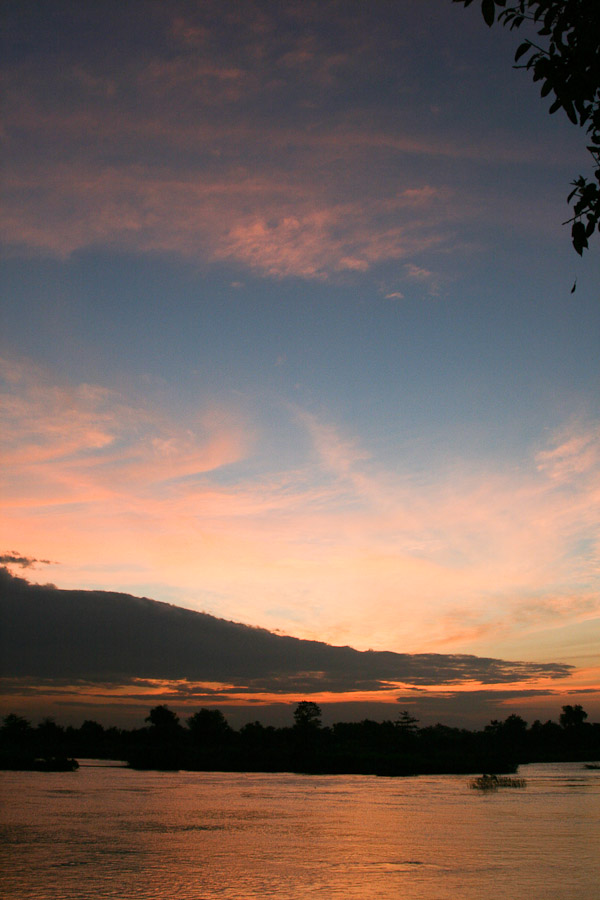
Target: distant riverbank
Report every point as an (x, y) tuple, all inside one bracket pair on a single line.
[(208, 743)]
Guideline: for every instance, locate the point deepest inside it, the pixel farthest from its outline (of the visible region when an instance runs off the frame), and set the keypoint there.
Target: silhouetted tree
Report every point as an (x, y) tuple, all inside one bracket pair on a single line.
[(89, 739), (92, 731), (209, 726), (256, 734), (307, 716), (568, 66), (368, 747), (572, 716), (50, 737), (545, 740), (514, 725), (158, 747), (406, 731), (14, 726), (406, 723), (16, 734), (163, 718), (509, 736)]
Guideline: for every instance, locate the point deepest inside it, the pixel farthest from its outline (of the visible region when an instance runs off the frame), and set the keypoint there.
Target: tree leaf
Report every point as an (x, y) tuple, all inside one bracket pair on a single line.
[(570, 111), (521, 50), (554, 107), (488, 10), (566, 65), (578, 237)]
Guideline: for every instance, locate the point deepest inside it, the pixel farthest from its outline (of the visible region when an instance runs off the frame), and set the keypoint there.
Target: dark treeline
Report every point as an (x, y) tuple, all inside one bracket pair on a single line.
[(208, 743)]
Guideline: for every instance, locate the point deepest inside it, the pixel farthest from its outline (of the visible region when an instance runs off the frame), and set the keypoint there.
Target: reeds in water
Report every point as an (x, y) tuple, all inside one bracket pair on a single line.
[(493, 782)]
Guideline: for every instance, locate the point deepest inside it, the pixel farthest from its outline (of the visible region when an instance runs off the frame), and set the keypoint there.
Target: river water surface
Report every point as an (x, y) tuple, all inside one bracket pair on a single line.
[(114, 833)]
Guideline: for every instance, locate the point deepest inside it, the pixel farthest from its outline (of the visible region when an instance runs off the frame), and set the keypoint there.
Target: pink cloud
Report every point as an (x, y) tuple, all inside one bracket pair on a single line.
[(210, 177), (71, 443), (572, 455), (270, 223), (336, 547)]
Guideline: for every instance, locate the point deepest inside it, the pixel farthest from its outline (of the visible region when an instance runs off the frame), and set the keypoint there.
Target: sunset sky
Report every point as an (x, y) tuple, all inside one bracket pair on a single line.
[(287, 329)]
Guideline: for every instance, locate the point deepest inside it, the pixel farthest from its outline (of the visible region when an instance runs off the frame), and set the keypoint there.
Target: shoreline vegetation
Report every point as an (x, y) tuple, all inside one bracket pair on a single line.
[(494, 782), (208, 743)]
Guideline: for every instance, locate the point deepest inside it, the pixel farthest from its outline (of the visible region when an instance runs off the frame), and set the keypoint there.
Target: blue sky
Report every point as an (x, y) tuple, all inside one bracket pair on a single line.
[(287, 330)]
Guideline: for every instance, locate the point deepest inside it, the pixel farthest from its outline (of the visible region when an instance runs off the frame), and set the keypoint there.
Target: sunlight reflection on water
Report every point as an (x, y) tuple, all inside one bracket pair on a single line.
[(111, 832)]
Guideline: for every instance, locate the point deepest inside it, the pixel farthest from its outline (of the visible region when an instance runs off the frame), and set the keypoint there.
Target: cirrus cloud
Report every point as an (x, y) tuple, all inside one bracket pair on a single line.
[(336, 545), (258, 139)]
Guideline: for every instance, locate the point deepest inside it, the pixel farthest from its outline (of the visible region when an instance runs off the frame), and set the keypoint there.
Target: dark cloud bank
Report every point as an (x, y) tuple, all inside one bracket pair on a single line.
[(108, 638)]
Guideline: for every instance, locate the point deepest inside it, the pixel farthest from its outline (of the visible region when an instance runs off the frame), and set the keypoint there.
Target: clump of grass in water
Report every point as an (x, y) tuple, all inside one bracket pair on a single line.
[(493, 782)]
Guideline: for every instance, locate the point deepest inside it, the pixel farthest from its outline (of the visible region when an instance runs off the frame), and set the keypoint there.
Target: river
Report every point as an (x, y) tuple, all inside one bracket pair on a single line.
[(115, 833)]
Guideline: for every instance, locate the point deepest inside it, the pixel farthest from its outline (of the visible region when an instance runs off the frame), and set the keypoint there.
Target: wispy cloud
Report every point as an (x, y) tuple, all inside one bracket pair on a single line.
[(574, 453), (63, 444), (268, 222), (336, 546), (266, 158)]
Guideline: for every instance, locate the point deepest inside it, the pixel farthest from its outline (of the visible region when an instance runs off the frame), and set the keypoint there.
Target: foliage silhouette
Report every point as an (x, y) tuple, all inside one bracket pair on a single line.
[(492, 783), (572, 716), (307, 715), (42, 748), (368, 747), (163, 719), (568, 66), (407, 723), (209, 726)]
